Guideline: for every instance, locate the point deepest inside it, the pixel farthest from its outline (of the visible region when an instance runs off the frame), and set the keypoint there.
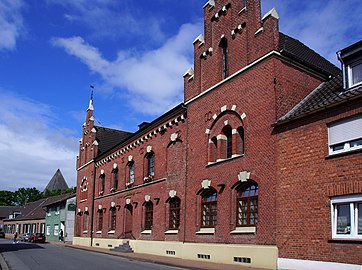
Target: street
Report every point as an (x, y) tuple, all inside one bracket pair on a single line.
[(24, 256)]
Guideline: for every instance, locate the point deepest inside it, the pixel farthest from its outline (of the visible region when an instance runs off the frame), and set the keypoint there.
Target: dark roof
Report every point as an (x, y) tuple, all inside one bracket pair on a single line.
[(299, 52), (145, 128), (107, 138), (35, 210), (327, 94), (58, 199), (57, 182), (5, 211)]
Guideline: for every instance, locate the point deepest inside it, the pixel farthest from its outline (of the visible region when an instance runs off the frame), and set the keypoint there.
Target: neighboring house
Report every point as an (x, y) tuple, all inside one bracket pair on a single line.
[(8, 212), (60, 214), (260, 166), (31, 219)]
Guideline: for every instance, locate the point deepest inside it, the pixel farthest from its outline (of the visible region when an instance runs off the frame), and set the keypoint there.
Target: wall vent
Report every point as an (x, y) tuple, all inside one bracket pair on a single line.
[(109, 245), (203, 256), (242, 260), (97, 244), (170, 252)]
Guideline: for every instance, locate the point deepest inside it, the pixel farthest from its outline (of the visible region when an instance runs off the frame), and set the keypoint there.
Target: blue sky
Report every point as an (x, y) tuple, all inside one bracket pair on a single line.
[(51, 51)]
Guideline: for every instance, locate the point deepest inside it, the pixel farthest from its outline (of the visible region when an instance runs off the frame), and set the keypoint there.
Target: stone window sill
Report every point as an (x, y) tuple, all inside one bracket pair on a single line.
[(242, 230), (146, 232), (206, 231), (98, 232), (112, 232), (171, 232)]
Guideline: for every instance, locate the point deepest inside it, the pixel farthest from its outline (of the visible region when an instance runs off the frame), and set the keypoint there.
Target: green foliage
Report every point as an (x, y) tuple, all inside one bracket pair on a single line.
[(47, 193), (7, 198), (26, 195)]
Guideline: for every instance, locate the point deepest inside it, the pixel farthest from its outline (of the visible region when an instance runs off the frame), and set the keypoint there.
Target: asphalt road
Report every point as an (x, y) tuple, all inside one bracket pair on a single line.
[(28, 256)]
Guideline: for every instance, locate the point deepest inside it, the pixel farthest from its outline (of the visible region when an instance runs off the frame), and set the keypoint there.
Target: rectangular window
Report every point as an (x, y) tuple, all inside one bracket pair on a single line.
[(347, 217), (48, 230), (113, 219), (56, 229), (355, 73), (345, 135), (100, 220)]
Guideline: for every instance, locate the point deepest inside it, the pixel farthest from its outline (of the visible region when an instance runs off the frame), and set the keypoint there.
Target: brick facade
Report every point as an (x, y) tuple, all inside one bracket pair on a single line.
[(222, 139)]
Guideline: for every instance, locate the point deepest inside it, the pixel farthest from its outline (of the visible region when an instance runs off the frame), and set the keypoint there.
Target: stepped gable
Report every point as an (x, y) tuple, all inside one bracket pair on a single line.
[(296, 50), (327, 94), (57, 182)]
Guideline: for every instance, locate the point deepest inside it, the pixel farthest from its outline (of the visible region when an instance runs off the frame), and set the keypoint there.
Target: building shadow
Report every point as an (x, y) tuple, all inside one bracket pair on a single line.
[(6, 247)]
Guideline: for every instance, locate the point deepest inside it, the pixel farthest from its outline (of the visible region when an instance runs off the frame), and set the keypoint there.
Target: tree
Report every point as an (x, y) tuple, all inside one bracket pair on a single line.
[(26, 195), (7, 198)]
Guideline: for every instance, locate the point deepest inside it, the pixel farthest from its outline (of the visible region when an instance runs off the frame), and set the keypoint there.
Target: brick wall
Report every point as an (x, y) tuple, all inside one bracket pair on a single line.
[(307, 180)]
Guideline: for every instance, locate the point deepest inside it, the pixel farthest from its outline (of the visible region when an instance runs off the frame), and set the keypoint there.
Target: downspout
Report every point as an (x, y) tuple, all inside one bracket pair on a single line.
[(93, 193), (186, 172)]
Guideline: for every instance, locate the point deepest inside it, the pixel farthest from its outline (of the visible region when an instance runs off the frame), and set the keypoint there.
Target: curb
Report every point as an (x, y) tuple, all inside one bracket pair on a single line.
[(3, 265)]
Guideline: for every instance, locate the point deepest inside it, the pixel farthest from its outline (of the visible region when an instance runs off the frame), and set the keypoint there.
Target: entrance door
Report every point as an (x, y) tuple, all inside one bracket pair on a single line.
[(128, 222)]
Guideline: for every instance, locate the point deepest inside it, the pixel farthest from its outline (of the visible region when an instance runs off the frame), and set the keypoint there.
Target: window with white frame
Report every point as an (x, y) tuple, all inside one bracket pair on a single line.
[(345, 135), (347, 217), (48, 229), (56, 229), (355, 73)]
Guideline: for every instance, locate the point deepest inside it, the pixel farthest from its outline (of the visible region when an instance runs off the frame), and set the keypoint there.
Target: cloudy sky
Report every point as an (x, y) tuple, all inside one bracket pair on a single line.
[(51, 51)]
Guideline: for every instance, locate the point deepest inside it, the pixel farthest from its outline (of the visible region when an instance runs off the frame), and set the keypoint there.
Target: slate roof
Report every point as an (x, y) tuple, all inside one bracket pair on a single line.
[(327, 94), (59, 199), (299, 52), (57, 182), (108, 138)]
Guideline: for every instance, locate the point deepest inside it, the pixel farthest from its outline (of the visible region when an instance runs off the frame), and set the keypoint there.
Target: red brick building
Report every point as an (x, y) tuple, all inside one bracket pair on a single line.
[(252, 169)]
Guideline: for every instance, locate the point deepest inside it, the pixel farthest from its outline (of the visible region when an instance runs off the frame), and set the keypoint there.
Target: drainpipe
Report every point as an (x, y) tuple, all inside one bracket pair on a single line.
[(186, 172), (93, 193)]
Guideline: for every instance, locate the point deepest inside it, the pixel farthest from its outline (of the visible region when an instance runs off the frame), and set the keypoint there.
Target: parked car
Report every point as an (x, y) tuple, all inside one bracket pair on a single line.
[(37, 237), (2, 234), (25, 237)]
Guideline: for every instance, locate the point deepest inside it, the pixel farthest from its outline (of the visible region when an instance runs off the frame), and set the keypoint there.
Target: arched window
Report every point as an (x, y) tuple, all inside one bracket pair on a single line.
[(150, 157), (102, 178), (85, 221), (174, 219), (247, 203), (115, 178), (99, 220), (213, 149), (148, 215), (240, 141), (209, 208), (229, 141), (131, 176), (224, 52), (112, 218)]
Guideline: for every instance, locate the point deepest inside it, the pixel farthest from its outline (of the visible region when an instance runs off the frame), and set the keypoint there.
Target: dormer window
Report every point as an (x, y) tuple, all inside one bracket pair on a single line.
[(355, 73), (351, 59)]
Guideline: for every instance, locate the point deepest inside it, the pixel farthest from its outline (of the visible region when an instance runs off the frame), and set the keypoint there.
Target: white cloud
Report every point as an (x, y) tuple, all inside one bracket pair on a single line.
[(32, 147), (153, 79), (11, 23)]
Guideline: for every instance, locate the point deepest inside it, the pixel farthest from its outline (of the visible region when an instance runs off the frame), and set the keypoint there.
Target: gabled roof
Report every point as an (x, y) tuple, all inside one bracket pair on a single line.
[(35, 210), (327, 94), (107, 138), (5, 211), (299, 52), (58, 199), (57, 182)]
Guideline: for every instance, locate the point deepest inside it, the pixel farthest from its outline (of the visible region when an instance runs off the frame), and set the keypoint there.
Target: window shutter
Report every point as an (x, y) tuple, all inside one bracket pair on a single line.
[(346, 130)]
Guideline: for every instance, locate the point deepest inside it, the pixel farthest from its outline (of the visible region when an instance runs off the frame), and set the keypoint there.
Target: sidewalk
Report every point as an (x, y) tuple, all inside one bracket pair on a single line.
[(197, 265)]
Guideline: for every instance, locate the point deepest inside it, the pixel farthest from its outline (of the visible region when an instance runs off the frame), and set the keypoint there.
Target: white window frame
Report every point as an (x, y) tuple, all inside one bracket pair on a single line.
[(352, 125), (57, 211), (352, 200), (48, 229), (56, 229), (350, 73)]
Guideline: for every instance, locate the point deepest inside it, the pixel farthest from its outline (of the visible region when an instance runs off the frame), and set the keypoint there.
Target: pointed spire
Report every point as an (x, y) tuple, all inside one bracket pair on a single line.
[(90, 107)]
